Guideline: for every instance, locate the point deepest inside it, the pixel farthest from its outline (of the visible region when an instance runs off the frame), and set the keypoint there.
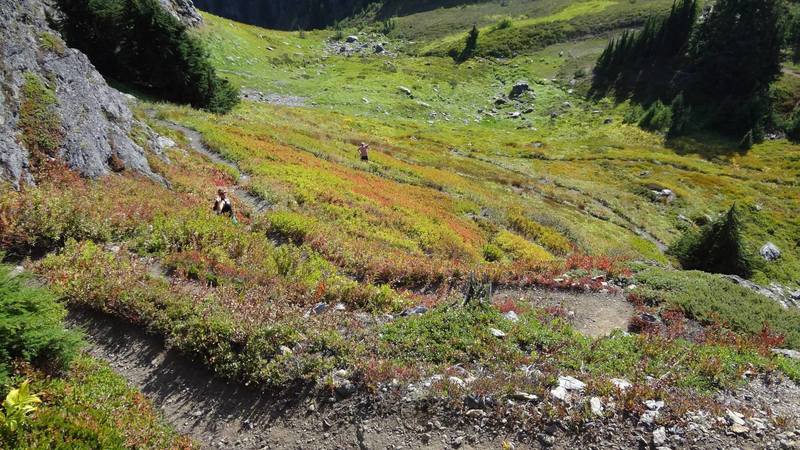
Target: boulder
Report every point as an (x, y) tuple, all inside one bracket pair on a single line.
[(770, 252), (792, 354), (351, 39), (520, 87)]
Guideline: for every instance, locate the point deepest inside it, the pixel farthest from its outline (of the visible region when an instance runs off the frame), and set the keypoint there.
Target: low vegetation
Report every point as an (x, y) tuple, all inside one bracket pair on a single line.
[(39, 120), (713, 300), (55, 397)]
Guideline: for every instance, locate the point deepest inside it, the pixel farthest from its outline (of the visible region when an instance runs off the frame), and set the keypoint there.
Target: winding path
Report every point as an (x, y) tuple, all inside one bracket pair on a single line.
[(195, 140)]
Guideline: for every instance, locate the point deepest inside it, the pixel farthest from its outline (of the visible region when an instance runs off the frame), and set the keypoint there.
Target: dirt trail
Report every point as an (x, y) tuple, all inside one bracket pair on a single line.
[(218, 414), (593, 314), (195, 140)]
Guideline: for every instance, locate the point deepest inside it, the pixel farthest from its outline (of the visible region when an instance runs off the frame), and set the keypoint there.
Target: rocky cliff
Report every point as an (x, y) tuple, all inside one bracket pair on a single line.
[(284, 14), (52, 96), (184, 10)]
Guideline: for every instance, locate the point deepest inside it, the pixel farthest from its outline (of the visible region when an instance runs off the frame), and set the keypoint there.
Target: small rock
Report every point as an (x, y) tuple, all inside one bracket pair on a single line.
[(546, 439), (457, 381), (648, 418), (351, 39), (379, 48), (523, 396), (319, 308), (654, 405), (608, 121), (735, 417), (793, 354), (571, 384), (414, 311), (559, 393), (659, 436), (519, 88), (511, 316), (285, 351), (497, 333), (475, 413), (739, 429), (596, 405), (165, 143), (405, 90)]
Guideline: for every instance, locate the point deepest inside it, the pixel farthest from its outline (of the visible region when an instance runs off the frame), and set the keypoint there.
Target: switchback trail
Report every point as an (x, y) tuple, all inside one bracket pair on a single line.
[(195, 140)]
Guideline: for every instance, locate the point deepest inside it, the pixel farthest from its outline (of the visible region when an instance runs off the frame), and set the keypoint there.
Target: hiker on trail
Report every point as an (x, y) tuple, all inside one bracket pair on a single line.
[(363, 150), (223, 205)]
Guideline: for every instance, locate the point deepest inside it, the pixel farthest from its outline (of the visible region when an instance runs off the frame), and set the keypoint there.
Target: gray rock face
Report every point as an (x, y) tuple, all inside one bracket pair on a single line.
[(95, 120), (774, 291), (184, 10)]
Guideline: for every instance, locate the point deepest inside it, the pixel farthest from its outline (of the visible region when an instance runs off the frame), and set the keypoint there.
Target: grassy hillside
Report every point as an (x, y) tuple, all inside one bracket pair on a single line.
[(464, 187), (577, 177)]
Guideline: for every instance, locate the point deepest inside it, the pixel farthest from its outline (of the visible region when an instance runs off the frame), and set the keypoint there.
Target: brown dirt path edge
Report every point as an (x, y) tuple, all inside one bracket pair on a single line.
[(593, 314), (219, 414)]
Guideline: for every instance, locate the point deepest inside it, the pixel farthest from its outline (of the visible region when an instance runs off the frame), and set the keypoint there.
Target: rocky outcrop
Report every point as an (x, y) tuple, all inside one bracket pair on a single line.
[(284, 14), (184, 10), (93, 120)]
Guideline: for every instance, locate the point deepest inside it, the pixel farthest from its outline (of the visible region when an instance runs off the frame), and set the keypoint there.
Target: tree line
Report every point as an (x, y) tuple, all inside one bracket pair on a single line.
[(139, 43), (701, 69)]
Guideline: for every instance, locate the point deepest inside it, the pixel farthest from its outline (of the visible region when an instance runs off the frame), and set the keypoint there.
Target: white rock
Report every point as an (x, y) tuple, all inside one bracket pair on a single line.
[(571, 384), (659, 436), (497, 333), (654, 405), (739, 429), (512, 316), (597, 406), (621, 383), (735, 417), (559, 393), (524, 396), (165, 142), (649, 417), (458, 382)]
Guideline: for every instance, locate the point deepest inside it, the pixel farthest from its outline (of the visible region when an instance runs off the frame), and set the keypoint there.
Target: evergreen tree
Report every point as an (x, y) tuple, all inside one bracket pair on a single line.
[(138, 42), (717, 248), (661, 42), (736, 55), (681, 116), (471, 45)]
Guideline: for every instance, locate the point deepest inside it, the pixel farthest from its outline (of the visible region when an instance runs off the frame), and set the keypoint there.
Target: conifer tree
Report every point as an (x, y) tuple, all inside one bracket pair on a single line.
[(471, 44)]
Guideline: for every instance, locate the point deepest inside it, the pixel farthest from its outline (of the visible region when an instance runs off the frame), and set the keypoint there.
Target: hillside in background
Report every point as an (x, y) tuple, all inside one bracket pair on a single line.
[(505, 270)]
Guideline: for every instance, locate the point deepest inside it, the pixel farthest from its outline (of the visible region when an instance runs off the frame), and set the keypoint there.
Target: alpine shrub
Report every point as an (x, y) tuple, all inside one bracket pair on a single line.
[(31, 326)]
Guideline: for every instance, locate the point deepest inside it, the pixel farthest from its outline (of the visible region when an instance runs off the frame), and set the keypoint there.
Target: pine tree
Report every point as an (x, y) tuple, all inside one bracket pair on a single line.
[(471, 44), (681, 116), (736, 55), (717, 248)]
